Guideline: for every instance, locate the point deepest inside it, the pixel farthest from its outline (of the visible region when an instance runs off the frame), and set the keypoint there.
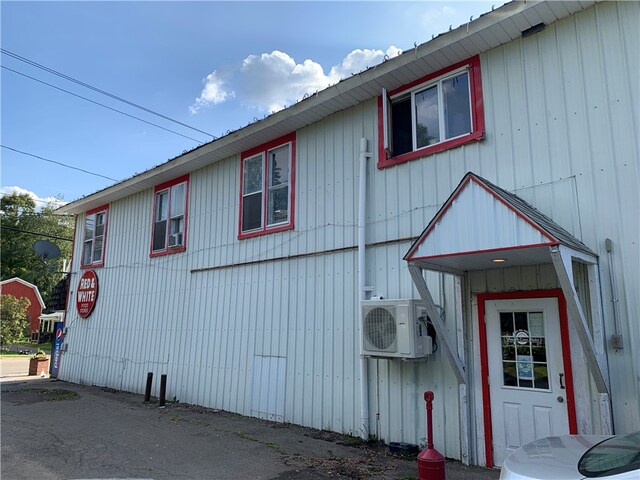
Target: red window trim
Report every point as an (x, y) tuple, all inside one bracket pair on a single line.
[(165, 186), (102, 208), (477, 116), (290, 139)]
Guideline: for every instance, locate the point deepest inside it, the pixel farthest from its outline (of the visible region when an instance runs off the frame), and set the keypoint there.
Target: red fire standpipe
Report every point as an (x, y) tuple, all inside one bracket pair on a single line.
[(430, 461)]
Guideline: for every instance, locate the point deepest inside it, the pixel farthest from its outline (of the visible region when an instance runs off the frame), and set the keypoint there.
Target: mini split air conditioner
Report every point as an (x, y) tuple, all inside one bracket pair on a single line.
[(395, 328)]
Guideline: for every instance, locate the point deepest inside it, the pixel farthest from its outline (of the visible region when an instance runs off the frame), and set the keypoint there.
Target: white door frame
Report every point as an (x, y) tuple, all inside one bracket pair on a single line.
[(566, 358)]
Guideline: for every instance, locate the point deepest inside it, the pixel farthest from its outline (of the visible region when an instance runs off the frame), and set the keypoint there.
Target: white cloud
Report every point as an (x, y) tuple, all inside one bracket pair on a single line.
[(214, 91), (40, 201), (270, 81)]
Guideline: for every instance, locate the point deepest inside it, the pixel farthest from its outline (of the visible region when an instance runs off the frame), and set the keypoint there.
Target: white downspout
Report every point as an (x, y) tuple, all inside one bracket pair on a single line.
[(362, 282)]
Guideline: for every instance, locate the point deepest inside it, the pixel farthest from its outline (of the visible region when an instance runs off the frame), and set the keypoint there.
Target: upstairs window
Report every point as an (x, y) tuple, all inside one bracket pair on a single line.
[(95, 231), (437, 112), (266, 188), (169, 232)]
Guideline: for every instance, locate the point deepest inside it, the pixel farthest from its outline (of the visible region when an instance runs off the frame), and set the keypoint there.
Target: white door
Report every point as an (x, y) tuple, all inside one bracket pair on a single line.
[(526, 374)]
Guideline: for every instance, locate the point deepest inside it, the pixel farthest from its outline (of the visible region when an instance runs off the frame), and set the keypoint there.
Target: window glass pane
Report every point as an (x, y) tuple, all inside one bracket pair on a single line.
[(457, 109), (86, 253), (541, 376), (100, 217), (279, 166), (506, 323), (97, 250), (521, 321), (89, 227), (509, 371), (278, 205), (508, 349), (252, 212), (401, 131), (178, 197), (177, 225), (162, 204), (159, 235), (252, 181), (427, 119)]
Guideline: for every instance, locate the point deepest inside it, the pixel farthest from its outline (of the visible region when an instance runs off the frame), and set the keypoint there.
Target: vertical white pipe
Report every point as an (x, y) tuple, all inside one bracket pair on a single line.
[(362, 282)]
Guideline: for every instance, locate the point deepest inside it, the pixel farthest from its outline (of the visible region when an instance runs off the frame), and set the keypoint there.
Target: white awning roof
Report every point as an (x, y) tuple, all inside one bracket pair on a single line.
[(482, 226)]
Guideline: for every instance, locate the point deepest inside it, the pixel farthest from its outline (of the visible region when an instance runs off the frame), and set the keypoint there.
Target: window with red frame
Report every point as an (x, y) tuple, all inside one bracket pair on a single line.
[(95, 230), (266, 193), (170, 217), (434, 113)]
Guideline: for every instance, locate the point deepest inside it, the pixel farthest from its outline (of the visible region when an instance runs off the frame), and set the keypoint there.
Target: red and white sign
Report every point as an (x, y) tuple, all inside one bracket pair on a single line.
[(87, 293)]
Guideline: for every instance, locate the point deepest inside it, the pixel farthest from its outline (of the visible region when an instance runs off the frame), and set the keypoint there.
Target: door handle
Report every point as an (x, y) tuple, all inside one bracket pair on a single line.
[(561, 375)]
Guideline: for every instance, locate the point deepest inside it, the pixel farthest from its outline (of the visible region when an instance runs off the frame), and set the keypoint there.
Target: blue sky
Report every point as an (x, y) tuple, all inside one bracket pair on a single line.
[(214, 66)]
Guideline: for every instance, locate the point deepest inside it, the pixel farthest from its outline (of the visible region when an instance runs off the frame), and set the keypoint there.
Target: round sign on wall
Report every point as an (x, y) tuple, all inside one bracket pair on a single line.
[(87, 293)]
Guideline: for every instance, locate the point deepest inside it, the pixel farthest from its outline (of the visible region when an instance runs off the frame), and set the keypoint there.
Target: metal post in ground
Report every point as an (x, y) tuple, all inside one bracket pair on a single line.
[(147, 390), (163, 388)]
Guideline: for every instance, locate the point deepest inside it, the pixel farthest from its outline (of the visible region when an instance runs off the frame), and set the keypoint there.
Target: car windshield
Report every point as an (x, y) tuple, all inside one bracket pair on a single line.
[(615, 455)]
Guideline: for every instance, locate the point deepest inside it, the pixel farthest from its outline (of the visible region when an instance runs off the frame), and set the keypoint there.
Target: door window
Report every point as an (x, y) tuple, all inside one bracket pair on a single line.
[(524, 350)]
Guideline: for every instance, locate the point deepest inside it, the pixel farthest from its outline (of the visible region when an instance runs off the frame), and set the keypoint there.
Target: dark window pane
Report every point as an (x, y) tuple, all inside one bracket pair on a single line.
[(89, 227), (541, 376), (401, 129), (526, 383), (427, 119), (279, 166), (252, 212), (86, 253), (97, 249), (162, 204), (159, 235), (538, 349), (521, 321), (523, 349), (506, 323), (457, 112), (508, 349), (278, 205), (509, 371)]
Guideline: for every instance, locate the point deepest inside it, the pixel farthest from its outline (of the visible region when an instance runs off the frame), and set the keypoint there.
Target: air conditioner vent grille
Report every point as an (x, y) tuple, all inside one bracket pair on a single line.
[(380, 328)]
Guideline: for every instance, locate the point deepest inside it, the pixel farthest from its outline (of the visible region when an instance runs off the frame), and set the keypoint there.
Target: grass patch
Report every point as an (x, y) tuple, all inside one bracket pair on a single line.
[(54, 394), (352, 441), (251, 438)]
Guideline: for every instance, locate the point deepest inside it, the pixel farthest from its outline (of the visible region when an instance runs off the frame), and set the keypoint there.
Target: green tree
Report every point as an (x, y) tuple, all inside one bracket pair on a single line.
[(13, 318), (21, 226)]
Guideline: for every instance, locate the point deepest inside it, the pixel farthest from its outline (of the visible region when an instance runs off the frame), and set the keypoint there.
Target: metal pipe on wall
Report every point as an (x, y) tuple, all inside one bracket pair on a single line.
[(362, 286)]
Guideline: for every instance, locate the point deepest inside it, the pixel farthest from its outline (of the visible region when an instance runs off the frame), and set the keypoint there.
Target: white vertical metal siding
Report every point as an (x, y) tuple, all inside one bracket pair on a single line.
[(561, 109)]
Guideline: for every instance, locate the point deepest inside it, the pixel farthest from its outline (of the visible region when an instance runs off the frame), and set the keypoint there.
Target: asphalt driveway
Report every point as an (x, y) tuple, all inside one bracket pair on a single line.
[(57, 430)]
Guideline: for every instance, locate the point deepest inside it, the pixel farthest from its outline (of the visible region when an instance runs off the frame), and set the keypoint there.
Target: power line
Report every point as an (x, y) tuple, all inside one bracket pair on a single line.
[(4, 227), (57, 163), (96, 89), (98, 103)]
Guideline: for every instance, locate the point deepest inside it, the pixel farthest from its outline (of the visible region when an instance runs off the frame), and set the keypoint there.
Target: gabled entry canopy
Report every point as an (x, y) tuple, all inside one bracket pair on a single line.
[(482, 226)]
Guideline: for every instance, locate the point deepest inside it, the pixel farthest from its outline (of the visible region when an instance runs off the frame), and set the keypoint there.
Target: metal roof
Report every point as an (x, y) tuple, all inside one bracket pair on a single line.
[(490, 30), (479, 223)]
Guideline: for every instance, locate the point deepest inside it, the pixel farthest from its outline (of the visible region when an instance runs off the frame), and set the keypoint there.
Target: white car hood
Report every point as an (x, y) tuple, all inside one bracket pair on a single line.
[(552, 458)]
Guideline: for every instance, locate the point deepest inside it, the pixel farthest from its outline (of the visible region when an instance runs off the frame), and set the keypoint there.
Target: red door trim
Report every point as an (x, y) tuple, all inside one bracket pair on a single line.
[(484, 363)]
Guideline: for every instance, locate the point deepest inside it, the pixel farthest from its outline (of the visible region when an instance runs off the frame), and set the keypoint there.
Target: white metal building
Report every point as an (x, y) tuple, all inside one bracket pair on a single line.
[(491, 174)]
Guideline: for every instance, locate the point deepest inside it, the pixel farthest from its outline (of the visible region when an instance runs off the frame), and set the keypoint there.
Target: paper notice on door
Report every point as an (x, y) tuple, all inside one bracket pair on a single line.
[(525, 367)]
